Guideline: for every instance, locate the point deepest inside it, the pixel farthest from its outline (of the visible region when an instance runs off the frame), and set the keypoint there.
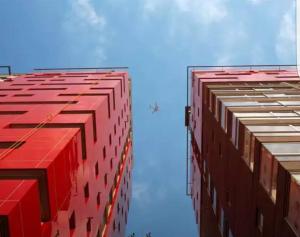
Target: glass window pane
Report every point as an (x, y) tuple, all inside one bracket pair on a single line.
[(294, 203), (265, 169)]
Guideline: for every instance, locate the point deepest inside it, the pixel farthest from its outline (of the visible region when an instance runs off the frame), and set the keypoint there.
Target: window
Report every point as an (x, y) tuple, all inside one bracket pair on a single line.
[(105, 179), (96, 169), (259, 220), (294, 203), (208, 184), (98, 199), (72, 221), (89, 225), (86, 191), (222, 222), (110, 139), (268, 173), (104, 152), (214, 199), (248, 148), (230, 233)]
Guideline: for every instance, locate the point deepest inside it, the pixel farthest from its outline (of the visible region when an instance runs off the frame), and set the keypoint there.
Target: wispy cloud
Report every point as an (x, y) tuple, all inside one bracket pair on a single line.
[(204, 12), (256, 2), (234, 38), (286, 39), (85, 28), (85, 12), (140, 193)]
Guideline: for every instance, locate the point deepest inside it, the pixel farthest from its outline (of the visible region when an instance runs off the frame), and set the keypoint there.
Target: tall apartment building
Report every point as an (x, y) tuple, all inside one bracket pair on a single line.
[(65, 154), (245, 151)]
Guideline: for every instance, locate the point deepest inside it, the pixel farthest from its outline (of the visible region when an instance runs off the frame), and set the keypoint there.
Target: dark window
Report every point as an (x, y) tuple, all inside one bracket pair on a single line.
[(111, 163), (89, 225), (105, 179), (259, 220), (72, 221), (86, 191), (98, 199), (104, 153), (97, 169)]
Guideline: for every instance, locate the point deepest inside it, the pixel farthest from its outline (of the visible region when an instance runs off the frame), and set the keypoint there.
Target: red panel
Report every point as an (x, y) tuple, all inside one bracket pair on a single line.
[(19, 208)]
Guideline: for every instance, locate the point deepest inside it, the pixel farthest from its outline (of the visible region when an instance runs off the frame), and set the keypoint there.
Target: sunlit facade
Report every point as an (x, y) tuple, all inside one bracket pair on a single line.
[(245, 151)]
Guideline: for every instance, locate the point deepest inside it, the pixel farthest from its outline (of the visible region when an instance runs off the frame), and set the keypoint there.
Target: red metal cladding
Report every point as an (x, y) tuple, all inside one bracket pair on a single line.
[(19, 208), (71, 132), (121, 196)]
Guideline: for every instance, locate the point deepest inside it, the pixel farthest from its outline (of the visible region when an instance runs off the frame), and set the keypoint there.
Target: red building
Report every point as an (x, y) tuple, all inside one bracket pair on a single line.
[(245, 151), (65, 154)]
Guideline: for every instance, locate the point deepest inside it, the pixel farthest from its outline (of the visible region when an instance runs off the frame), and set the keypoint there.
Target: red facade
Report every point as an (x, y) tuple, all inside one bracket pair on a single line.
[(71, 134), (245, 147)]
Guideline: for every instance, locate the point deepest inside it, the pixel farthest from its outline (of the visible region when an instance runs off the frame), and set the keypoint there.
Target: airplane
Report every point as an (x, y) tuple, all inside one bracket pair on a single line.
[(154, 108)]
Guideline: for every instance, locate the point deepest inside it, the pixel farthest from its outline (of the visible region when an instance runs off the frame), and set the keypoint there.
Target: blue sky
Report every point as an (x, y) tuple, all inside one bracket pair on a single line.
[(157, 39)]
